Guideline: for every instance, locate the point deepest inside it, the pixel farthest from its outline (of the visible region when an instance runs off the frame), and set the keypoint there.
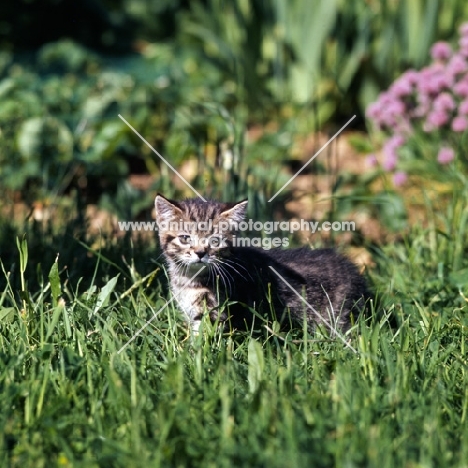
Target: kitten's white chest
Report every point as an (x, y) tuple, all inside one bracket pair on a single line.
[(193, 300)]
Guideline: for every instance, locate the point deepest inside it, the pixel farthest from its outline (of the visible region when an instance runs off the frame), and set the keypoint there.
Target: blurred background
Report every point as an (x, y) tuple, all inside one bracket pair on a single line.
[(237, 95)]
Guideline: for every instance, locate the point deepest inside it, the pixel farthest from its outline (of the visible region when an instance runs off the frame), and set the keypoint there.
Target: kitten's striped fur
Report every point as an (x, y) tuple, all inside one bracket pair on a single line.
[(330, 283)]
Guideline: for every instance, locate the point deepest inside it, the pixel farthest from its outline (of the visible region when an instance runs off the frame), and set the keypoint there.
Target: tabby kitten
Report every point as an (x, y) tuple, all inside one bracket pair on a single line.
[(209, 275)]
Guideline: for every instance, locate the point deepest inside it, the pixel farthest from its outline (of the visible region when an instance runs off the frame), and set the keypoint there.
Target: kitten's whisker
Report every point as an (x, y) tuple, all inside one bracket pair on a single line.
[(182, 267), (224, 277), (231, 265), (220, 264), (155, 260), (229, 260), (229, 277), (210, 271), (179, 265)]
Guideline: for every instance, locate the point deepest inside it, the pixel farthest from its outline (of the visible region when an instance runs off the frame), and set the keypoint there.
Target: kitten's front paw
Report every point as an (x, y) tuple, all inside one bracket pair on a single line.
[(215, 317), (195, 327)]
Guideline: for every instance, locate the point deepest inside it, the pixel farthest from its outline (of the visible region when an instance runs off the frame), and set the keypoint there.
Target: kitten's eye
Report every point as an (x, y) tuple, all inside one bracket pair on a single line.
[(217, 241), (184, 239)]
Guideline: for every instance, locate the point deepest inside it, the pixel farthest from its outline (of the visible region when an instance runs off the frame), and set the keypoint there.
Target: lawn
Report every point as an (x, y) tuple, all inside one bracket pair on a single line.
[(87, 381)]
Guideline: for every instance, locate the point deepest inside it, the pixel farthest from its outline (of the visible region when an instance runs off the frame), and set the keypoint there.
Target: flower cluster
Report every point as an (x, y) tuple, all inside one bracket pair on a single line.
[(434, 99)]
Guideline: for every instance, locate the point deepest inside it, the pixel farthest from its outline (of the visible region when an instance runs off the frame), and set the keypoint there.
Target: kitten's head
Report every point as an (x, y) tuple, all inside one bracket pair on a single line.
[(194, 233)]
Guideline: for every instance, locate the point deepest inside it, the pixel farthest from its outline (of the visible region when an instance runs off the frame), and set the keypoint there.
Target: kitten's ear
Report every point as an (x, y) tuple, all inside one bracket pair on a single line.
[(235, 211), (166, 209)]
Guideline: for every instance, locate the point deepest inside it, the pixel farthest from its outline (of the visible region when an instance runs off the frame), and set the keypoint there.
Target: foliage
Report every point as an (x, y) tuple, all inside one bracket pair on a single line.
[(332, 56), (45, 120), (61, 130), (226, 67)]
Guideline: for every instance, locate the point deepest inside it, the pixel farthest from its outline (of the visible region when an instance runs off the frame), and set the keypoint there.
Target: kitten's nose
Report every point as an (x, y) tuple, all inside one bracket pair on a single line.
[(200, 254)]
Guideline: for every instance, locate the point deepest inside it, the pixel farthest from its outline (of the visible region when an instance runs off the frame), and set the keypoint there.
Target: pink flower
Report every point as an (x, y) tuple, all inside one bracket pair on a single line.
[(390, 154), (426, 85), (392, 112), (463, 43), (399, 178), (443, 80), (373, 110), (390, 161), (435, 119), (463, 107), (457, 65), (396, 141), (390, 151), (446, 155), (424, 105), (403, 126), (461, 88), (411, 76), (402, 87), (460, 123), (463, 30), (371, 160), (388, 112), (441, 51), (434, 98), (395, 108), (444, 102), (385, 97), (434, 80)]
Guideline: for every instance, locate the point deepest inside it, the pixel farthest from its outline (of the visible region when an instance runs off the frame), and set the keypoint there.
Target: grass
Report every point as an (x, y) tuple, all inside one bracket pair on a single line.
[(70, 398)]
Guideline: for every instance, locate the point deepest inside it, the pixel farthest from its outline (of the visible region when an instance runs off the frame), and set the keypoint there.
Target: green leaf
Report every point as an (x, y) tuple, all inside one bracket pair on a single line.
[(41, 136), (392, 210), (55, 318), (54, 279), (459, 278), (29, 137), (106, 141), (104, 295), (66, 322), (256, 365), (361, 143), (23, 251), (6, 86), (7, 314)]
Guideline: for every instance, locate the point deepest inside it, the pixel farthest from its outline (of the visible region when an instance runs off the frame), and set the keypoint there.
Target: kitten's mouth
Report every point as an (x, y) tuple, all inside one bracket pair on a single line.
[(199, 267)]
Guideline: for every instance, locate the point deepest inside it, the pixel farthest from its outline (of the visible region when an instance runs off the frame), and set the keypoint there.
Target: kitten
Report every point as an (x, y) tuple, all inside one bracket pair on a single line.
[(208, 274)]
